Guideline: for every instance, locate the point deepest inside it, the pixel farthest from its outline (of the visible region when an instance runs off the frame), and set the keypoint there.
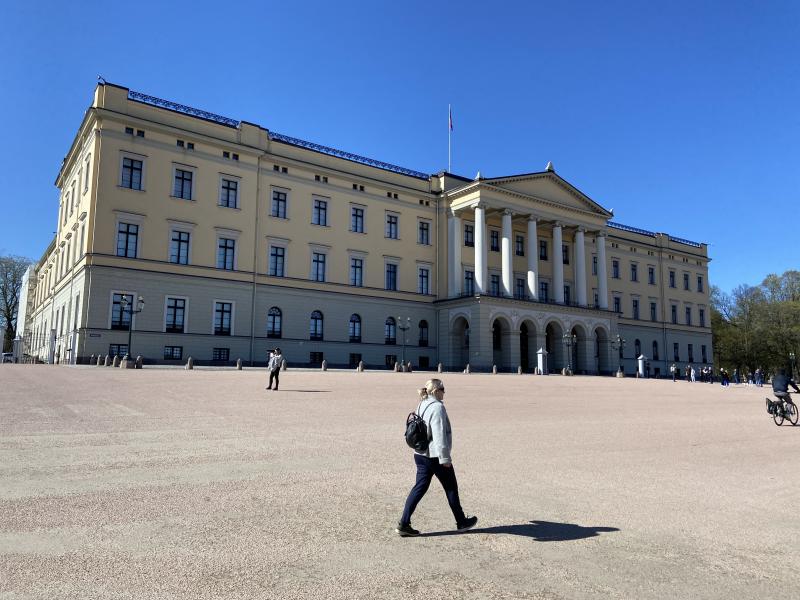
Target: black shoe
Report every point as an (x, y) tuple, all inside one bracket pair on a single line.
[(405, 531), (269, 388), (467, 523)]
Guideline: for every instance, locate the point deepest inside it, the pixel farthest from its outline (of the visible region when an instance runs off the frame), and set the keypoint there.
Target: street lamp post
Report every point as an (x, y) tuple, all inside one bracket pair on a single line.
[(618, 343), (140, 307), (570, 340), (404, 326), (792, 364)]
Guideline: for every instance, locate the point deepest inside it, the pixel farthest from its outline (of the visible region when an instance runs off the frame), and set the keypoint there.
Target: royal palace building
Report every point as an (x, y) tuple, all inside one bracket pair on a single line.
[(185, 233)]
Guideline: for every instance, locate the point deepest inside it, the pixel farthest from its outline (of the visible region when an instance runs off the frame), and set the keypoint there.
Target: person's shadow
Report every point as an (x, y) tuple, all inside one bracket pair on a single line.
[(541, 531)]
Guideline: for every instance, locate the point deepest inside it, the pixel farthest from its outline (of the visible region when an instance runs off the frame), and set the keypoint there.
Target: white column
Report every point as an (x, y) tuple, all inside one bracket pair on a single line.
[(602, 282), (558, 264), (505, 249), (533, 259), (580, 266), (454, 256), (481, 273)]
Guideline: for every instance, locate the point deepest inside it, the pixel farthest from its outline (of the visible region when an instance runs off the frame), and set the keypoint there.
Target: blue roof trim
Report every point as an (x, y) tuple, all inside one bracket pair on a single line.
[(182, 108), (279, 137), (630, 229)]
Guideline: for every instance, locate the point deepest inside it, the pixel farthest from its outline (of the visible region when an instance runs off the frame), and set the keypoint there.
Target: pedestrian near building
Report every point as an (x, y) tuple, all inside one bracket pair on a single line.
[(674, 370), (434, 461), (274, 367), (693, 374), (687, 371)]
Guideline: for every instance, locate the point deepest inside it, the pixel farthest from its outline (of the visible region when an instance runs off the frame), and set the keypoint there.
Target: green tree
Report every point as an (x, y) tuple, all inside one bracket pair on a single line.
[(12, 268)]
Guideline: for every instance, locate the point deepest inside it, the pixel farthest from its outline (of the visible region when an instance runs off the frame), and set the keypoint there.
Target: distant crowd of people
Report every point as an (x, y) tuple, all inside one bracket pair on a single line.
[(706, 375)]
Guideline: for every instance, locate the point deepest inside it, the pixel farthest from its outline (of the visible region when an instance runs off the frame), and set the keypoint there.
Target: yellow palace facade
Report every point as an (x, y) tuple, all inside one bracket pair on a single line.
[(193, 234)]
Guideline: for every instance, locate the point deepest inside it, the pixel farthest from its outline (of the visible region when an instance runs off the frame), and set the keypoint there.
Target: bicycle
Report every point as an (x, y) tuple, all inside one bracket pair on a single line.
[(782, 409)]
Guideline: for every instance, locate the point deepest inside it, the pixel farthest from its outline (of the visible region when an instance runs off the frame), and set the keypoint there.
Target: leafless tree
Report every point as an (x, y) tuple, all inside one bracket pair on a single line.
[(12, 268)]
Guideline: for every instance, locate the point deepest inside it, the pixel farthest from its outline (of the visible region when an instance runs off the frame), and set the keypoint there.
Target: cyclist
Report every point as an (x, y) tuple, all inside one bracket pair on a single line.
[(780, 386)]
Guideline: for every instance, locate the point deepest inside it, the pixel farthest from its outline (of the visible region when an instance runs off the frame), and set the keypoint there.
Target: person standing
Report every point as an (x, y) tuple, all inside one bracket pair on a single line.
[(435, 461), (274, 367), (694, 375), (674, 370)]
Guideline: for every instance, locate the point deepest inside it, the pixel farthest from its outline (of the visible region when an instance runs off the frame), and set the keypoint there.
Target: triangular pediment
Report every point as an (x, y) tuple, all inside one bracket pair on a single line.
[(550, 188)]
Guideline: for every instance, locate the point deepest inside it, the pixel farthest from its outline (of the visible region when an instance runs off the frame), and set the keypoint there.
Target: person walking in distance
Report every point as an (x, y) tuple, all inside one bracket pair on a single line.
[(434, 461), (674, 370), (274, 367)]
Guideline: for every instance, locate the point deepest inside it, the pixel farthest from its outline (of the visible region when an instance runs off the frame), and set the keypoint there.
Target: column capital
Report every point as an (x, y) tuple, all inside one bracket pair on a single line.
[(478, 204), (580, 229), (533, 218), (601, 233), (558, 224), (508, 212)]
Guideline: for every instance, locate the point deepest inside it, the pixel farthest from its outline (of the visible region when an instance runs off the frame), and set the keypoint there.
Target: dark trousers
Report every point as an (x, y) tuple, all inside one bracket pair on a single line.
[(274, 375), (426, 469)]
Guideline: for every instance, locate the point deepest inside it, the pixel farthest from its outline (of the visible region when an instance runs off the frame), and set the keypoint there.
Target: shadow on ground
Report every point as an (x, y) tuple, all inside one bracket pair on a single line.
[(541, 531)]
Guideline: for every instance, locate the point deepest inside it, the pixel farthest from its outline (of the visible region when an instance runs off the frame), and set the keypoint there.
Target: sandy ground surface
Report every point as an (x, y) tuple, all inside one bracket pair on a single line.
[(201, 484)]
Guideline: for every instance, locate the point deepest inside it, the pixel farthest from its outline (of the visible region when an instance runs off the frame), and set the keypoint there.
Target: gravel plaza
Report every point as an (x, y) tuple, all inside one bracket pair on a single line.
[(166, 483)]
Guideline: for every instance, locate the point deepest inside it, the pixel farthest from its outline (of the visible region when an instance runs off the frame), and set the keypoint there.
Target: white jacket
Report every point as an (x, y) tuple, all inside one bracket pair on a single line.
[(439, 432)]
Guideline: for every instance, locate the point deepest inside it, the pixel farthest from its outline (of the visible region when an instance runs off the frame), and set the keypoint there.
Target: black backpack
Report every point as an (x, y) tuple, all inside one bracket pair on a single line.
[(417, 430)]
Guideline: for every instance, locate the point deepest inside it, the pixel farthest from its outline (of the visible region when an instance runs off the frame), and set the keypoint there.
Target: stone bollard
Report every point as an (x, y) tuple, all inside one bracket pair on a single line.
[(324, 365), (408, 368), (107, 361), (127, 362), (238, 364), (283, 365), (466, 369), (396, 367), (139, 362), (92, 360), (494, 369), (99, 361), (519, 370), (360, 367), (117, 360), (439, 368), (189, 364)]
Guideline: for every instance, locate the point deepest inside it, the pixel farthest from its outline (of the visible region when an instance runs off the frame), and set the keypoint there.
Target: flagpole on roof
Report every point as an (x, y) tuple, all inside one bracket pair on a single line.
[(449, 132)]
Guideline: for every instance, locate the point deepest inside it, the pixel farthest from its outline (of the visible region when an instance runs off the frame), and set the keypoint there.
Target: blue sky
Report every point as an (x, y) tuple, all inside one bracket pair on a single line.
[(681, 116)]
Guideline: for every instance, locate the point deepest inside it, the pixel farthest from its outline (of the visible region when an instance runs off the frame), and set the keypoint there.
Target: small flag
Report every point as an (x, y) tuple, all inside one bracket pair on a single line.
[(450, 112)]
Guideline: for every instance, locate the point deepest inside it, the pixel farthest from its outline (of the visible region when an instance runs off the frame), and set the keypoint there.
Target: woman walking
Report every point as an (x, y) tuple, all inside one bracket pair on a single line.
[(435, 461)]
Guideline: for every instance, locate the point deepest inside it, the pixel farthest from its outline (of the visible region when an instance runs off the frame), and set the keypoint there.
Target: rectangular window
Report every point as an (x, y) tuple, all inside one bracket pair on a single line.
[(424, 280), (674, 310), (391, 276), (86, 175), (690, 350), (277, 261), (390, 360), (542, 249), (494, 285), (653, 312), (565, 254), (131, 174), (315, 358), (176, 310), (318, 266), (392, 227), (544, 291), (121, 319), (566, 295), (355, 358), (703, 353), (636, 309), (179, 248), (278, 204), (127, 240), (229, 193), (519, 245), (183, 184), (651, 275), (494, 237), (688, 315), (634, 272), (222, 318), (357, 219), (702, 317), (594, 265), (424, 236), (469, 283), (672, 279), (357, 272), (596, 300), (226, 250), (686, 281), (700, 283), (319, 215), (675, 352), (173, 352), (615, 269), (220, 354), (469, 235), (117, 349), (519, 289), (617, 305)]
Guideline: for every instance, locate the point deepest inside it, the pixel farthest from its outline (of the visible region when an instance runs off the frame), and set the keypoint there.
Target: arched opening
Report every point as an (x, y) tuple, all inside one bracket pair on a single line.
[(501, 344), (390, 331), (423, 334), (355, 328), (637, 349), (581, 362), (527, 346), (315, 329), (274, 322), (459, 351), (602, 348), (554, 344)]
